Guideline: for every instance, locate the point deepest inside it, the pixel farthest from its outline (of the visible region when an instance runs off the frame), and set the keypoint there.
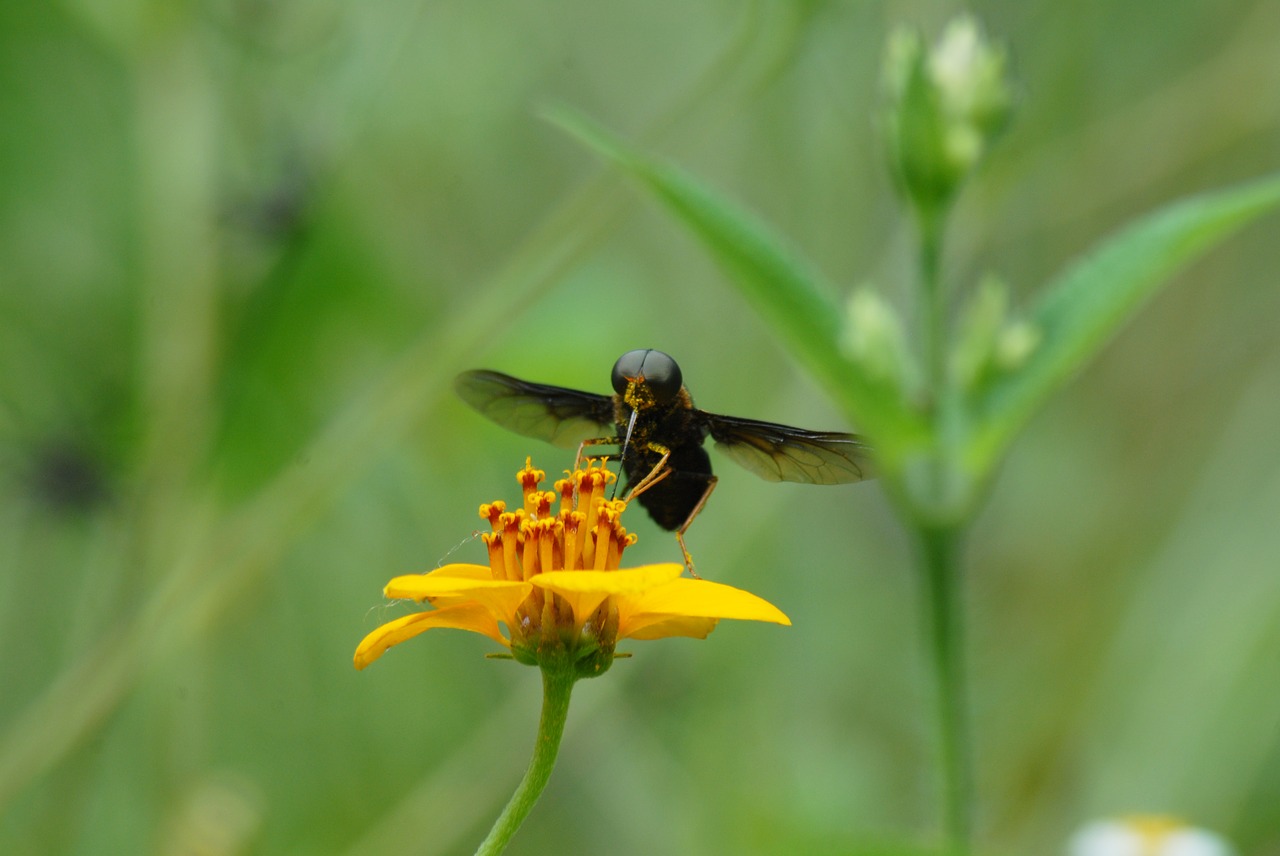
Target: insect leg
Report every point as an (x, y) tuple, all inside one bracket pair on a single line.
[(594, 441), (657, 474), (647, 482), (684, 527)]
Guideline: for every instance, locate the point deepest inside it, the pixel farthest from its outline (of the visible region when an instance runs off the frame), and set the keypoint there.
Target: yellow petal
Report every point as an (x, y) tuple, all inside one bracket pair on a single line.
[(686, 598), (444, 580), (631, 581), (463, 571), (447, 578), (500, 597), (660, 627), (586, 590), (471, 616)]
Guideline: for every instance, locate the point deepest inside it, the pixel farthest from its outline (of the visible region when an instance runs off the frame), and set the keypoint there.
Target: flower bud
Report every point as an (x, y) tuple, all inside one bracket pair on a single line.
[(945, 107), (873, 338), (988, 341)]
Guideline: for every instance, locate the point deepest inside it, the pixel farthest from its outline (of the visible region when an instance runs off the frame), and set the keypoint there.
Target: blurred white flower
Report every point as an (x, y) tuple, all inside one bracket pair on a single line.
[(1146, 836)]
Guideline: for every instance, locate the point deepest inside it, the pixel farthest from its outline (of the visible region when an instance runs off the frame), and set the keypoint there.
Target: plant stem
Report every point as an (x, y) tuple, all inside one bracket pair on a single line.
[(557, 684), (939, 566), (939, 546), (933, 309)]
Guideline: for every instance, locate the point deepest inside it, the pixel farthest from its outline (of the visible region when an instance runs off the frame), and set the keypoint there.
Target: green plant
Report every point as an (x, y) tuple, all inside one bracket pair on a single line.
[(941, 410)]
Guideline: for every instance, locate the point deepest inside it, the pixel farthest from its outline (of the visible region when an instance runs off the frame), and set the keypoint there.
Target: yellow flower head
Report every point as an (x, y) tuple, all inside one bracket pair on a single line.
[(554, 581)]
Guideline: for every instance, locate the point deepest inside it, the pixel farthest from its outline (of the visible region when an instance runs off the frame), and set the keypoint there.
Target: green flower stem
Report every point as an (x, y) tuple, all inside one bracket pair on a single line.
[(557, 685), (939, 566), (939, 553), (933, 308)]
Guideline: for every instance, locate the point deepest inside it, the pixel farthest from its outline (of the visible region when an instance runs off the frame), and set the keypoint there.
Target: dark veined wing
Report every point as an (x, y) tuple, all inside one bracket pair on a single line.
[(564, 417), (782, 453)]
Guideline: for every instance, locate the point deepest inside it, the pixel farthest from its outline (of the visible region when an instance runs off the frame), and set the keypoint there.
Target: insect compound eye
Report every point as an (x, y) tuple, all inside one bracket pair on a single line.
[(660, 373), (627, 367), (663, 376)]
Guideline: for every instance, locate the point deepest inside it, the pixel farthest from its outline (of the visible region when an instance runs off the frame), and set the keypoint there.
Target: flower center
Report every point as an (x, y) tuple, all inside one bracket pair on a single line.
[(1154, 830), (585, 533), (571, 528)]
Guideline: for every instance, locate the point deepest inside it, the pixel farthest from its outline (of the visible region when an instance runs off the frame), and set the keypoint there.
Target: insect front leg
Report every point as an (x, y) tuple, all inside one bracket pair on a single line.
[(594, 441), (655, 475)]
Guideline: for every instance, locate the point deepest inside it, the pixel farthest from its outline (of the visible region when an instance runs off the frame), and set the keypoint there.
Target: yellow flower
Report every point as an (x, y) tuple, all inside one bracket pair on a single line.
[(554, 581)]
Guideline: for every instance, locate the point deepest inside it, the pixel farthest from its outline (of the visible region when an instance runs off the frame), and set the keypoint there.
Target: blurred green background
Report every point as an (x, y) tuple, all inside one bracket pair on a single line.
[(244, 247)]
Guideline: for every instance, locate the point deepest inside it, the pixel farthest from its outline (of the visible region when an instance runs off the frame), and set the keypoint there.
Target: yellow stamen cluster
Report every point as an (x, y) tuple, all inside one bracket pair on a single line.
[(584, 532), (532, 539)]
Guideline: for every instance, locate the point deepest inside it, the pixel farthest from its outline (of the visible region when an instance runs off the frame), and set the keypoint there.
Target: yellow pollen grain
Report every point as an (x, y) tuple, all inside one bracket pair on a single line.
[(564, 487), (595, 480), (605, 475), (638, 395), (529, 473), (529, 479), (491, 511)]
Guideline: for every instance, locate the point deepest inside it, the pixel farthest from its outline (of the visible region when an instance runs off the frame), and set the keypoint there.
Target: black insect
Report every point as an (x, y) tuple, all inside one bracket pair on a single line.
[(659, 432)]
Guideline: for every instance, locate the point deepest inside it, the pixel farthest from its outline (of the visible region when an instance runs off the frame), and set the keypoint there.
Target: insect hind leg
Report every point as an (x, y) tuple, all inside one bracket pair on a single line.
[(684, 527)]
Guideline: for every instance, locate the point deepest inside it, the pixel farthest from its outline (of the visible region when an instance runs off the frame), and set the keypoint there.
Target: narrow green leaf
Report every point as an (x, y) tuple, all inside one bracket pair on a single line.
[(775, 280), (1087, 303)]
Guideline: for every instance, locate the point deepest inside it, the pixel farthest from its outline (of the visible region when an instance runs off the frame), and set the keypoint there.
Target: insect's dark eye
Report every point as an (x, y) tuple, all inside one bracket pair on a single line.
[(659, 371)]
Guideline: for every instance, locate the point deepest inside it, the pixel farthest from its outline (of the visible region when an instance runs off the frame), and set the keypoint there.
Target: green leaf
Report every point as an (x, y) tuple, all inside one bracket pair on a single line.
[(1084, 306), (780, 285)]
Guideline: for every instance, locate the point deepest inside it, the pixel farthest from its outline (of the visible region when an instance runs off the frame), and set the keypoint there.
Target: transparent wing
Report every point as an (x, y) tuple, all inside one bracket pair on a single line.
[(564, 417), (782, 453)]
